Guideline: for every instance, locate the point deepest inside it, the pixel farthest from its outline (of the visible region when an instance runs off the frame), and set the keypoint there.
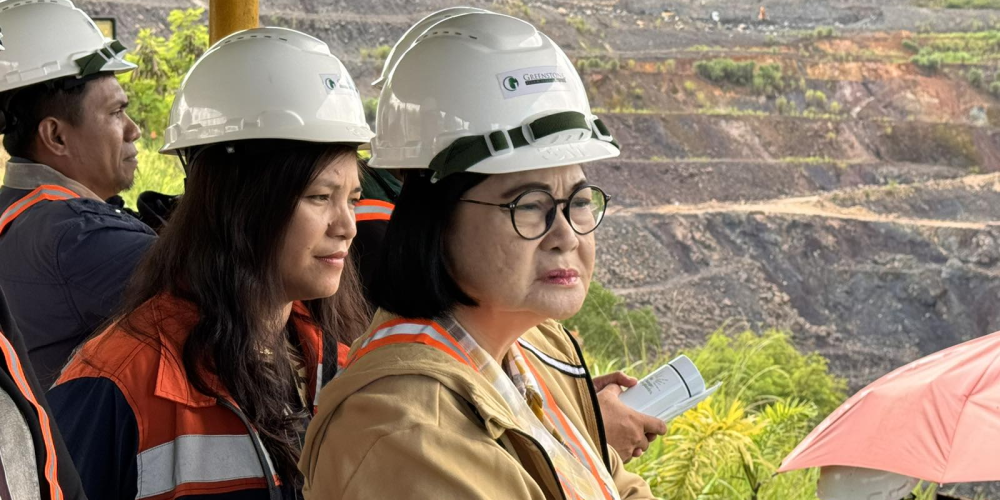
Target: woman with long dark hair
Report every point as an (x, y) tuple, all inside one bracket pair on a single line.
[(205, 384)]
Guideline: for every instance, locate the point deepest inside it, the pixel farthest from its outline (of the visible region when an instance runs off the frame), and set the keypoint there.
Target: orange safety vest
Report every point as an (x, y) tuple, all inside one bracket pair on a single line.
[(45, 192), (369, 210)]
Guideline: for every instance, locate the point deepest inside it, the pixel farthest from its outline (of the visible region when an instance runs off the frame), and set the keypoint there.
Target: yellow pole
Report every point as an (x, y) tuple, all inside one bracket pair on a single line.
[(226, 17)]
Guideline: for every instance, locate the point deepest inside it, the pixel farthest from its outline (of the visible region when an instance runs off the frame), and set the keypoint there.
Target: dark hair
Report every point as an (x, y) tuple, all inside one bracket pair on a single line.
[(412, 279), (23, 109), (220, 251)]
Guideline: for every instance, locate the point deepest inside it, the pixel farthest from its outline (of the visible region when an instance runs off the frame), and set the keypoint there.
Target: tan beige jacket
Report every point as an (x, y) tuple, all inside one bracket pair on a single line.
[(409, 421)]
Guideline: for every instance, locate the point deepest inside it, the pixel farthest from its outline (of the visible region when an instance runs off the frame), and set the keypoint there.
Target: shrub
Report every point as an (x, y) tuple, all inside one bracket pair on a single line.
[(928, 61), (975, 77), (911, 46), (726, 71), (380, 53), (835, 108), (995, 89), (371, 107), (824, 32), (786, 107), (580, 25), (611, 331), (816, 99), (768, 79)]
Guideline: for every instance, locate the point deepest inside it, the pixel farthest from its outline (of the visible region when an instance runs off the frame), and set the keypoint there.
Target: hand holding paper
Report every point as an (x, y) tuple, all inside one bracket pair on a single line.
[(669, 391)]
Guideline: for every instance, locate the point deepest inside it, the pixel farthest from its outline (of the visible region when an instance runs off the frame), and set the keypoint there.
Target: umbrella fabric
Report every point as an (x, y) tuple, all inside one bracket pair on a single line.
[(936, 419)]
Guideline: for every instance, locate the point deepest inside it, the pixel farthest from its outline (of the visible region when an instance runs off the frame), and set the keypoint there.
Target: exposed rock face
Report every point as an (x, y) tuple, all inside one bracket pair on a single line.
[(865, 230)]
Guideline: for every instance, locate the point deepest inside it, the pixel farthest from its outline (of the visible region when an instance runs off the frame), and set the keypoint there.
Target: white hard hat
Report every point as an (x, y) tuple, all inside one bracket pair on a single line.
[(52, 39), (267, 83), (414, 32), (856, 483), (486, 93)]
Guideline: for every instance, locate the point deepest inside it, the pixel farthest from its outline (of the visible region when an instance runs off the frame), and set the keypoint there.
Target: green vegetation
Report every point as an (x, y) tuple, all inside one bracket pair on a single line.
[(911, 46), (598, 64), (580, 25), (957, 48), (962, 4), (995, 89), (730, 445), (720, 71), (162, 64), (975, 77), (786, 107), (928, 61), (371, 106), (816, 99), (156, 172), (823, 32), (766, 79), (380, 53), (517, 8)]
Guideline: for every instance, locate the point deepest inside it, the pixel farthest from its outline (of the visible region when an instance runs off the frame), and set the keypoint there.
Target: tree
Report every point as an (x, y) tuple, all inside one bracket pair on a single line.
[(162, 64)]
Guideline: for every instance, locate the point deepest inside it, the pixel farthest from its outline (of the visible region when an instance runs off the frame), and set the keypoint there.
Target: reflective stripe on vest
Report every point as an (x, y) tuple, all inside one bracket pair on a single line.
[(566, 368), (17, 373), (404, 331), (42, 193), (367, 210), (558, 418), (197, 459)]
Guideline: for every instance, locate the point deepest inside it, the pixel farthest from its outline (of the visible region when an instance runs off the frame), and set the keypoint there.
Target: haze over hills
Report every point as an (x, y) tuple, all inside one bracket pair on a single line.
[(853, 198)]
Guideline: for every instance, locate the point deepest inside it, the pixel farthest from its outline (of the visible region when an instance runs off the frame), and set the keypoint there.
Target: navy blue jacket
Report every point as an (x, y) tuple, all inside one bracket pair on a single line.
[(64, 265)]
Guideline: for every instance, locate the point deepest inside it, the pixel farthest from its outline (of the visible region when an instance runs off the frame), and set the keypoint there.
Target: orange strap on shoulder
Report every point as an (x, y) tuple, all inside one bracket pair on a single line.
[(17, 372), (368, 210), (42, 193), (410, 331)]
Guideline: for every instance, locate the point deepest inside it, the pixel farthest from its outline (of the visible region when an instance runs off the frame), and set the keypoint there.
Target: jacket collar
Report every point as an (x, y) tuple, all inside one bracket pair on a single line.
[(174, 318), (418, 359), (27, 175)]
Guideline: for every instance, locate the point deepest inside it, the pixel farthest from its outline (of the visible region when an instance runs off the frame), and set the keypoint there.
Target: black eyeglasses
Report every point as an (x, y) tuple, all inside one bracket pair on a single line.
[(534, 211)]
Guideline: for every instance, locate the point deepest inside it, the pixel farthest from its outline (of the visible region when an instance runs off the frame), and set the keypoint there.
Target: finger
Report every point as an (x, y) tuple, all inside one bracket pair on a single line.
[(636, 453), (651, 437), (626, 381), (613, 389), (653, 425), (600, 382), (622, 379)]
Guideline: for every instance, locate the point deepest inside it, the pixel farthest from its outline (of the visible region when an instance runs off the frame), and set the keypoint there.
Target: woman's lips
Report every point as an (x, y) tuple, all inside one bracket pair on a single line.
[(562, 277), (334, 259)]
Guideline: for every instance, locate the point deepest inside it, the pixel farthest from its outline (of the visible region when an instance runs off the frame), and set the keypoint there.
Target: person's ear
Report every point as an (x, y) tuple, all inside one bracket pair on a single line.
[(51, 136)]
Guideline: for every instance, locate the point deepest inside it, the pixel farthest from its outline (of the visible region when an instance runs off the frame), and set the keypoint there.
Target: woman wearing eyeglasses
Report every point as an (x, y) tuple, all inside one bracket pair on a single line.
[(466, 386)]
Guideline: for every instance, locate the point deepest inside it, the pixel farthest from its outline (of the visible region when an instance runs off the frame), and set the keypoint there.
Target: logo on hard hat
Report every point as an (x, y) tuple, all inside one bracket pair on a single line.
[(511, 83), (331, 84)]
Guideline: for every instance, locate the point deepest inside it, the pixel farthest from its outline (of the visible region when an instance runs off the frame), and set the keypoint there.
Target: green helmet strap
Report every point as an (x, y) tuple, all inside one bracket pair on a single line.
[(94, 63), (465, 152)]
